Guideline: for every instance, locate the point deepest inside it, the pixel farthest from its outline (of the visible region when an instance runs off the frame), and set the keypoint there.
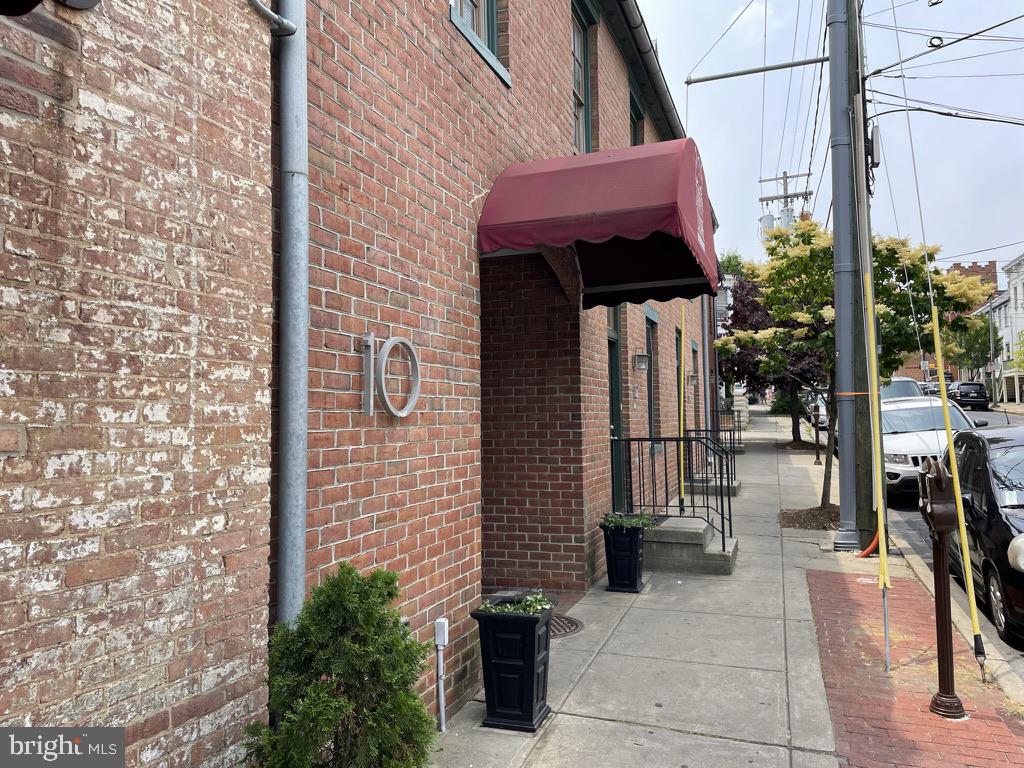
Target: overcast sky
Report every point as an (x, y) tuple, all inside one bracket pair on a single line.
[(971, 173)]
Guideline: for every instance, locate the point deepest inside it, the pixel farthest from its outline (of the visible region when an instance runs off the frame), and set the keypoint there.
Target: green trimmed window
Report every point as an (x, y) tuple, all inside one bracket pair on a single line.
[(580, 84), (636, 122), (480, 17), (477, 20)]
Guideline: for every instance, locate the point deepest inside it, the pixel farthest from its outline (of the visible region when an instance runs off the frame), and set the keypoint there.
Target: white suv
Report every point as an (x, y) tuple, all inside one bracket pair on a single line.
[(912, 430)]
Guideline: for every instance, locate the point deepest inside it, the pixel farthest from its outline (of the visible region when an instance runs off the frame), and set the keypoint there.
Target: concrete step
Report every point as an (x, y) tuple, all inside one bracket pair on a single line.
[(688, 545), (698, 487)]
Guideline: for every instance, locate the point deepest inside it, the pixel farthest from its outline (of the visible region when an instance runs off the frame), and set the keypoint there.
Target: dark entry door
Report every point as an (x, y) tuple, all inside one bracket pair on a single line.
[(615, 409)]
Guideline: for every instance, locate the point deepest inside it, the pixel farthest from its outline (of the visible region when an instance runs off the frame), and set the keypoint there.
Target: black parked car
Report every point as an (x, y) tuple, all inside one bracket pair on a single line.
[(991, 464), (969, 394)]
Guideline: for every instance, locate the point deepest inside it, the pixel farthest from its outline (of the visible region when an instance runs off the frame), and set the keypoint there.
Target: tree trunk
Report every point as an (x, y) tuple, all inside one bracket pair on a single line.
[(830, 444), (794, 410)]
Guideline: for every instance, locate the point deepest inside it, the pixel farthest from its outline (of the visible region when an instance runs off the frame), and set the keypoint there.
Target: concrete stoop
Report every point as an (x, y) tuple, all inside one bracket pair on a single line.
[(699, 488), (688, 545)]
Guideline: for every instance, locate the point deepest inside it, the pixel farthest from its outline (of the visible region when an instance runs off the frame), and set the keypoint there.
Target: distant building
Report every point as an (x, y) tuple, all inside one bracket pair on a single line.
[(987, 271), (1007, 313)]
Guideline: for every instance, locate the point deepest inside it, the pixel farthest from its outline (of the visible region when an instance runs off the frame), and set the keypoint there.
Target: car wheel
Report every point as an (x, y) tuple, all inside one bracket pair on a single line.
[(997, 605)]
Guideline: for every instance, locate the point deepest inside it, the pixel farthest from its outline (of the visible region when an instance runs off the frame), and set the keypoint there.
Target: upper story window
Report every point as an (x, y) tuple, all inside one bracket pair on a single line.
[(476, 14), (484, 23), (636, 122), (580, 84)]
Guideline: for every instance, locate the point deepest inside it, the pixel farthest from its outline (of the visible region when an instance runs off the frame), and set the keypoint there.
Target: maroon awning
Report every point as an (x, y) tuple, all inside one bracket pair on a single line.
[(638, 218)]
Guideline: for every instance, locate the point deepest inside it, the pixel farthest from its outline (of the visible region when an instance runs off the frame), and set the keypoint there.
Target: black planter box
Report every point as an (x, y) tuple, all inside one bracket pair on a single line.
[(624, 554), (515, 650)]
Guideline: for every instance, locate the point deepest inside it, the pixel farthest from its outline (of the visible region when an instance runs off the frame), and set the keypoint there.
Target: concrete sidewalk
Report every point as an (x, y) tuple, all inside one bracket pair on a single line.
[(709, 671)]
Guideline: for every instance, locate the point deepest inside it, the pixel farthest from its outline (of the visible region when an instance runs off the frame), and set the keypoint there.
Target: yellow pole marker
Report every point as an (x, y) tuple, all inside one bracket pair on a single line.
[(965, 558), (682, 387), (876, 429)]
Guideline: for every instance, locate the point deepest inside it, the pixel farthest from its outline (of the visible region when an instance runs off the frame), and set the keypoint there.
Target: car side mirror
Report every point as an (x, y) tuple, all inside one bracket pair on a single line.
[(981, 422)]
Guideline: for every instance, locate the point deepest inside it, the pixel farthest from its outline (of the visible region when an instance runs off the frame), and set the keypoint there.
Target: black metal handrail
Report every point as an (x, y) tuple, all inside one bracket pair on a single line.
[(725, 421), (727, 439), (651, 473)]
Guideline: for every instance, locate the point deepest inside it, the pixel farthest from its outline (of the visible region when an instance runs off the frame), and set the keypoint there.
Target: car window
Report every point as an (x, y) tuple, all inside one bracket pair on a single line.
[(972, 477), (1007, 468), (923, 419), (901, 388), (971, 387)]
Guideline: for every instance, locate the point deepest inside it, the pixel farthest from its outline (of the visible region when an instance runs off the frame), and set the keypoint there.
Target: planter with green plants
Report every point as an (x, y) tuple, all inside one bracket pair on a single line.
[(624, 550), (515, 647), (342, 680)]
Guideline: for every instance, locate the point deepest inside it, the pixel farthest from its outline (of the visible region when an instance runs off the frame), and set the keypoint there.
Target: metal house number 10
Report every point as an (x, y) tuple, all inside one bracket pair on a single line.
[(375, 367)]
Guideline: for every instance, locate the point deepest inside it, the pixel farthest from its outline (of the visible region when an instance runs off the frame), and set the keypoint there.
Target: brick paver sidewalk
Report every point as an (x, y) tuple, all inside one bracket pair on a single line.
[(883, 720)]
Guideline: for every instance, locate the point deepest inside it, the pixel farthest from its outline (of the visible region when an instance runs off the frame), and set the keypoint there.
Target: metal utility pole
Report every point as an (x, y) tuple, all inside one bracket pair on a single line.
[(845, 265), (787, 198), (867, 519)]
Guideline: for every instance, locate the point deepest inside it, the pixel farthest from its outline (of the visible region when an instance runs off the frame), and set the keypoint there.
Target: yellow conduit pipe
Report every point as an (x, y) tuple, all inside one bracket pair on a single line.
[(954, 471), (876, 455), (876, 429), (682, 387)]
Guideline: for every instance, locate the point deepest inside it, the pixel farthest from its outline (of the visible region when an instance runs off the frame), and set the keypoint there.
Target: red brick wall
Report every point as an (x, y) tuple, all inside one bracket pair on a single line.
[(988, 271), (409, 127), (635, 400), (136, 276), (135, 307), (531, 428)]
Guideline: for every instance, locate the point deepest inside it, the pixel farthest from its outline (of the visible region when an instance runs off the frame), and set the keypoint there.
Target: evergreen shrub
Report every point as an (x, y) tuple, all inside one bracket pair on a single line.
[(342, 682)]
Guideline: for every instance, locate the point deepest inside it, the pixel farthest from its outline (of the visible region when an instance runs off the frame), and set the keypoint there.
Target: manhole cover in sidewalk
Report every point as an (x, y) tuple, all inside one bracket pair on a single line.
[(563, 626)]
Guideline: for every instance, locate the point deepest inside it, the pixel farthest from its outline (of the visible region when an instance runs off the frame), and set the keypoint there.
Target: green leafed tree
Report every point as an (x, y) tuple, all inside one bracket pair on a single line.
[(797, 290), (342, 682), (972, 345), (731, 263)]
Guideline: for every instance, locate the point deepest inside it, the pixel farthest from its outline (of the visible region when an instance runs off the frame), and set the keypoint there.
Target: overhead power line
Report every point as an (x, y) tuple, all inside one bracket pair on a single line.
[(951, 43), (979, 118), (980, 250), (969, 110), (965, 58), (886, 10), (789, 87), (926, 32), (764, 85), (953, 77), (803, 117), (715, 44), (817, 105)]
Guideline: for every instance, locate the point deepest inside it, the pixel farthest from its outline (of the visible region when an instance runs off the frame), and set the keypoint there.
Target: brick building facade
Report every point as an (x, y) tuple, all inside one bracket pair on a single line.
[(137, 369)]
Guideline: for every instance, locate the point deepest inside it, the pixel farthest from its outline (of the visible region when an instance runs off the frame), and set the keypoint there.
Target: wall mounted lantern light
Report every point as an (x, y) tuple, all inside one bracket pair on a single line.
[(640, 361)]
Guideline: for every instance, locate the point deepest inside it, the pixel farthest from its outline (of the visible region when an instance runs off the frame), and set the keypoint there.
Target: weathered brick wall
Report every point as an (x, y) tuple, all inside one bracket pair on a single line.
[(135, 307)]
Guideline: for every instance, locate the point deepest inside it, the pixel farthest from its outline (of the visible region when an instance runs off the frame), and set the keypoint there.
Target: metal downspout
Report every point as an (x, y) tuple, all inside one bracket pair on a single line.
[(707, 361), (293, 308)]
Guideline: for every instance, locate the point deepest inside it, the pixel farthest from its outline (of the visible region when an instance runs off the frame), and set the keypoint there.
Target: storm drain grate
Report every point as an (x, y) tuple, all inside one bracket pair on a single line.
[(563, 626)]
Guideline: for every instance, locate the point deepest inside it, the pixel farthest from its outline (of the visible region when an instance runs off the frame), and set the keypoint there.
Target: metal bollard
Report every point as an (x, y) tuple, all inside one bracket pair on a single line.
[(939, 512), (817, 440)]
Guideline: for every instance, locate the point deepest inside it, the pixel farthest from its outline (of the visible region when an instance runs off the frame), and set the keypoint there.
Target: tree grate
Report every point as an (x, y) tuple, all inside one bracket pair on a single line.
[(563, 626)]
